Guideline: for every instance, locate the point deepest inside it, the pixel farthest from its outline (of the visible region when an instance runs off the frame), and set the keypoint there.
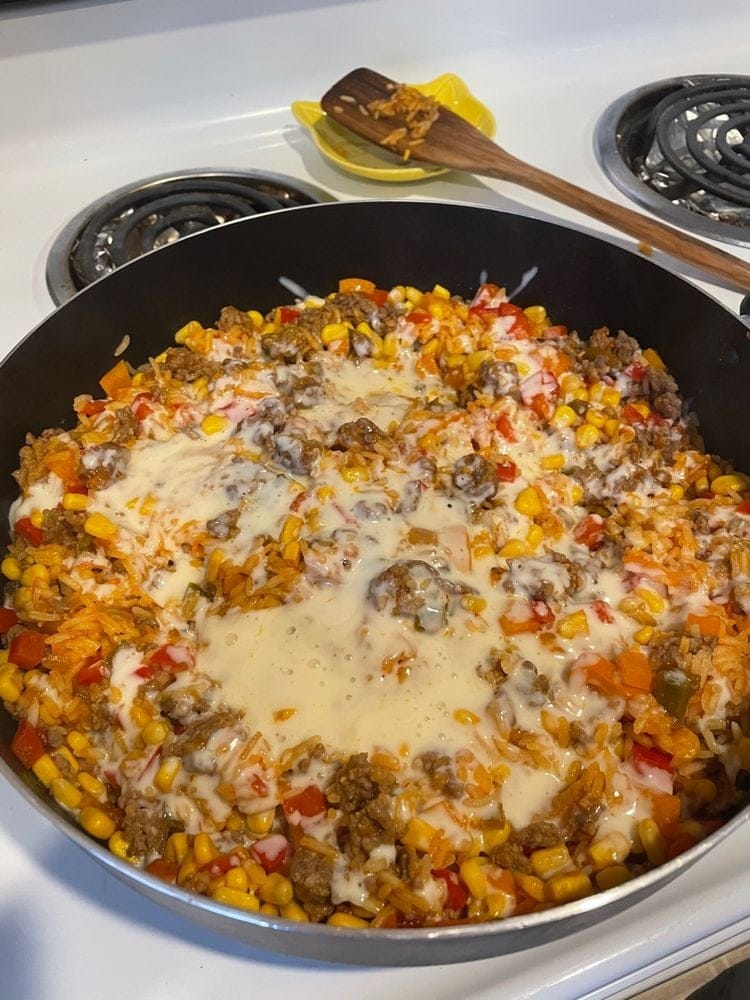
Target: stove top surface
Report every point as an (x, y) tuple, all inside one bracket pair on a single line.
[(110, 92)]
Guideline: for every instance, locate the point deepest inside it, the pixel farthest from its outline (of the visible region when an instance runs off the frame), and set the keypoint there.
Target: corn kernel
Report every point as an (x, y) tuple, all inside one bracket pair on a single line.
[(473, 877), (99, 526), (356, 474), (652, 841), (119, 845), (46, 770), (701, 484), (234, 897), (259, 824), (612, 848), (528, 502), (536, 315), (499, 904), (34, 574), (255, 318), (293, 911), (66, 793), (514, 548), (419, 834), (611, 397), (428, 441), (636, 609), (11, 684), (203, 849), (474, 604), (595, 418), (549, 861), (723, 485), (653, 600), (176, 848), (676, 492), (188, 330), (576, 493), (214, 423), (652, 358), (495, 836), (551, 462), (564, 416), (11, 569), (587, 436), (466, 717), (346, 920), (454, 360), (140, 716), (236, 878), (276, 889), (534, 536), (91, 785), (437, 310), (96, 822), (37, 518), (413, 295), (643, 408), (441, 292), (611, 427), (164, 777), (612, 876), (569, 383), (334, 331), (532, 885), (644, 635), (572, 885), (477, 358), (573, 625), (155, 732), (76, 501)]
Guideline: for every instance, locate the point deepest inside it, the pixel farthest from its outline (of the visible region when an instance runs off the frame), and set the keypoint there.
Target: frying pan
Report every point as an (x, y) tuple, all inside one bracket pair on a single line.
[(584, 283)]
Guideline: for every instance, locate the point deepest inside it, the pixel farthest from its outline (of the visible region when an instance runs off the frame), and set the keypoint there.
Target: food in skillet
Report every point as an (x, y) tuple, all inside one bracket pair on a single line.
[(384, 610)]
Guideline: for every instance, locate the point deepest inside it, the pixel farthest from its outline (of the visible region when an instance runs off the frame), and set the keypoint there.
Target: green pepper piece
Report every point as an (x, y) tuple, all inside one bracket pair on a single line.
[(672, 689)]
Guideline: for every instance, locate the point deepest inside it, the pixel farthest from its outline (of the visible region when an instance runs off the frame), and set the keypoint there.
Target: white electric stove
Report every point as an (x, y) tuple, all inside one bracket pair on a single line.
[(96, 95)]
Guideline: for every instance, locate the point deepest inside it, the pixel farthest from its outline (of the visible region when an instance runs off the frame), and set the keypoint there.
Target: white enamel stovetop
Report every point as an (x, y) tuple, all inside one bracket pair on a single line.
[(97, 94)]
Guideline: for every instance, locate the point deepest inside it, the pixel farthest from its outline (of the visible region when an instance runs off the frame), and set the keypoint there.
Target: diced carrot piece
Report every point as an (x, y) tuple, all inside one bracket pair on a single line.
[(513, 626), (64, 464), (356, 285), (635, 670), (116, 380), (666, 813), (708, 625)]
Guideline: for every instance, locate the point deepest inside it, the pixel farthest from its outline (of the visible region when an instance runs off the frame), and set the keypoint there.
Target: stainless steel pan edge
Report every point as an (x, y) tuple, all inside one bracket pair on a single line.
[(584, 282)]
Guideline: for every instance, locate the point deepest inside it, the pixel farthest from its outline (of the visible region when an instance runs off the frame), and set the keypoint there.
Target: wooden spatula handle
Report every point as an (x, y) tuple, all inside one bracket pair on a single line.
[(649, 231)]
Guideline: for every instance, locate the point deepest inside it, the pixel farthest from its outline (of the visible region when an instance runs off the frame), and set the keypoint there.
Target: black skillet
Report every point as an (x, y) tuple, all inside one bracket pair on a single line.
[(584, 282)]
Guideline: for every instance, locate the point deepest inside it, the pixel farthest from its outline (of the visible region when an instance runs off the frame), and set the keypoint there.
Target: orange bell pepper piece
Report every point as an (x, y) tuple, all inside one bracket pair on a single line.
[(116, 380), (708, 625), (635, 670), (356, 285)]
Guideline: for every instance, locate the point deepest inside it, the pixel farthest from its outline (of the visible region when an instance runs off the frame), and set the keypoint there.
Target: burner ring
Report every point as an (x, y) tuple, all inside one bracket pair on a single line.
[(151, 213), (629, 151)]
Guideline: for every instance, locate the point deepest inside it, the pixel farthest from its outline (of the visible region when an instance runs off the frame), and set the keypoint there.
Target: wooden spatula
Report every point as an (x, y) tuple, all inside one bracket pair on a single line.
[(452, 142)]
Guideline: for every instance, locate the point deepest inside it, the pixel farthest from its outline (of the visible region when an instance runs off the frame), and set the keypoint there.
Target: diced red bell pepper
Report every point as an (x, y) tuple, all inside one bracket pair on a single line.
[(506, 470), (174, 658), (26, 649), (419, 316), (636, 371), (93, 407), (309, 802), (142, 405), (27, 744), (287, 314), (553, 332), (602, 612), (506, 428), (485, 294), (632, 415), (28, 530), (456, 893), (271, 852), (8, 618), (542, 612), (589, 531), (163, 869), (743, 508), (646, 758), (91, 672), (217, 867), (378, 295)]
